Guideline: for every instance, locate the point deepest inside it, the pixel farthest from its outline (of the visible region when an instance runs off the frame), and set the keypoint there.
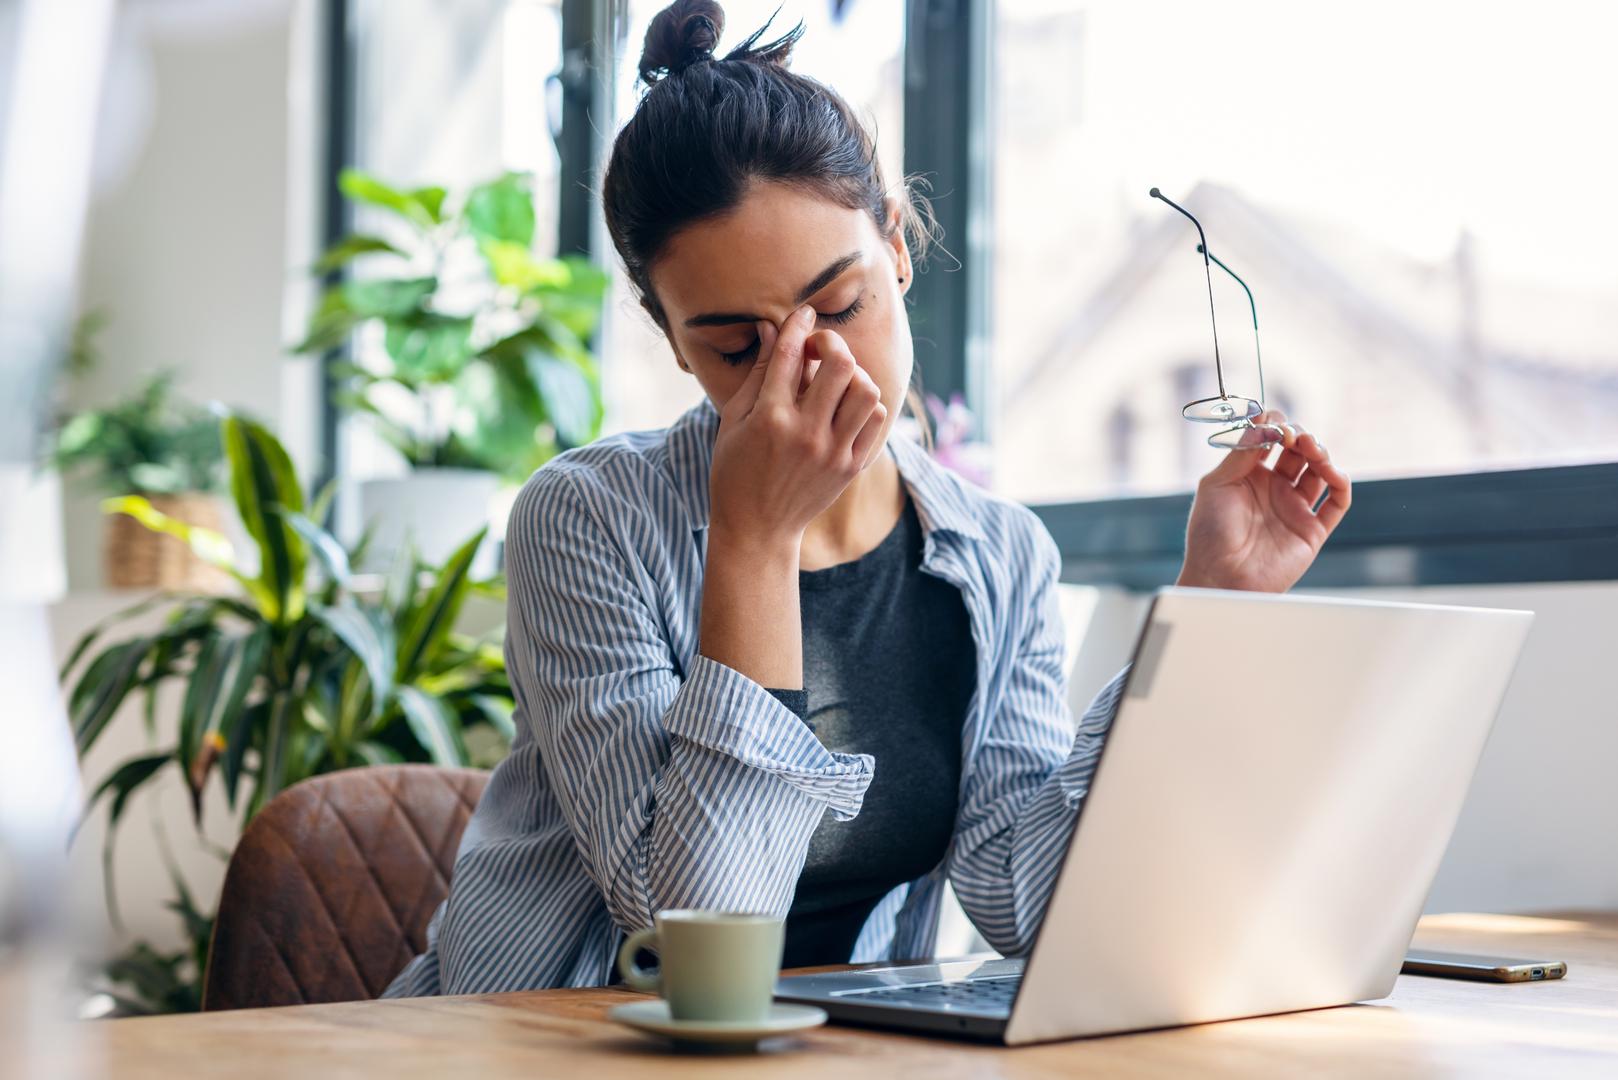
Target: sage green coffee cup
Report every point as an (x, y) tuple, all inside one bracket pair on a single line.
[(712, 965)]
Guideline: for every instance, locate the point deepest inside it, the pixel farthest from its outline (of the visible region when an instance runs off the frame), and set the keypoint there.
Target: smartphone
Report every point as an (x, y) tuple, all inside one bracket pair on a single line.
[(1445, 965)]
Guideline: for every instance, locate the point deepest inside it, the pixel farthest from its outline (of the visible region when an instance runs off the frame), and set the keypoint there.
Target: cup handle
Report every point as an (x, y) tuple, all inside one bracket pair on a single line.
[(635, 975)]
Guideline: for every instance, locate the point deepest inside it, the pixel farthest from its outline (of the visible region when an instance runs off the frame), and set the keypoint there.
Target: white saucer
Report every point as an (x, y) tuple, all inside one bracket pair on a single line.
[(653, 1016)]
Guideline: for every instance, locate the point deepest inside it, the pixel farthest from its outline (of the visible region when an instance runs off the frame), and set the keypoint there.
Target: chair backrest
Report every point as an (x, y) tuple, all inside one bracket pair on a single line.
[(329, 891)]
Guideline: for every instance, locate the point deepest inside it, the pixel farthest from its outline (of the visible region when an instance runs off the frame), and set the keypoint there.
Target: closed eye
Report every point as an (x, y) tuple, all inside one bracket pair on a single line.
[(841, 318)]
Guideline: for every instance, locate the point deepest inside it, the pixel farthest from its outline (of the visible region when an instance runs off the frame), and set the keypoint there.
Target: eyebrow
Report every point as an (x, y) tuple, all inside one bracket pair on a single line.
[(822, 279)]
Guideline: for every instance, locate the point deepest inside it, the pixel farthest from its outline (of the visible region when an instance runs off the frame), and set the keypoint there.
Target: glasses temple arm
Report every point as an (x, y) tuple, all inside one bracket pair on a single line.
[(1219, 368), (1202, 249)]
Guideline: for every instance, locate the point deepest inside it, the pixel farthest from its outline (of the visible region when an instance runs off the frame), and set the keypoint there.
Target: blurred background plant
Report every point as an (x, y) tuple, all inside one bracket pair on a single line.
[(153, 442), (281, 680), (472, 350)]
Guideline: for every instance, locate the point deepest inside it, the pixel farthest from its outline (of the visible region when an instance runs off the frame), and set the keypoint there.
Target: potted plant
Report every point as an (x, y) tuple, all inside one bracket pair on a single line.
[(285, 679), (164, 449), (469, 351)]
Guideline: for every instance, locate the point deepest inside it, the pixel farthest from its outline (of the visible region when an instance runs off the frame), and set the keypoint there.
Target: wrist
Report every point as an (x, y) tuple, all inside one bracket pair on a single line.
[(761, 549)]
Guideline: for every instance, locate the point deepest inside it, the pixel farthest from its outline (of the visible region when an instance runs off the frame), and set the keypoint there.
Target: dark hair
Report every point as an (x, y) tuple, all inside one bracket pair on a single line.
[(707, 127)]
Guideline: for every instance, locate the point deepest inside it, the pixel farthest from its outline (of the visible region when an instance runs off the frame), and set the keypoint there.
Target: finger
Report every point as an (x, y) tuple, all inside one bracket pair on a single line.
[(1338, 500), (746, 396), (1311, 485), (836, 372), (1290, 465), (785, 361), (859, 401), (865, 443), (1296, 512), (1238, 463)]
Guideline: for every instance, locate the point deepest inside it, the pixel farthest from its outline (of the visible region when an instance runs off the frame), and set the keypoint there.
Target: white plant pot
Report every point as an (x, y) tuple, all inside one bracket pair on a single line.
[(435, 510)]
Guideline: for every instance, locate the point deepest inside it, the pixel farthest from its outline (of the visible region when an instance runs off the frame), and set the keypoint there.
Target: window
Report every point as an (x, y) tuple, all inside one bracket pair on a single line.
[(1412, 192), (853, 45)]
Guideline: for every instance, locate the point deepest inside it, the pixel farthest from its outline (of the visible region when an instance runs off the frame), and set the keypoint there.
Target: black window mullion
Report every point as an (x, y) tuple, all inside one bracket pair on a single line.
[(946, 137)]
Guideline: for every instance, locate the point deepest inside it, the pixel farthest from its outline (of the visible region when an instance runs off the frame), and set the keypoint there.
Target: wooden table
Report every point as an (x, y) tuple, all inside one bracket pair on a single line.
[(1429, 1027)]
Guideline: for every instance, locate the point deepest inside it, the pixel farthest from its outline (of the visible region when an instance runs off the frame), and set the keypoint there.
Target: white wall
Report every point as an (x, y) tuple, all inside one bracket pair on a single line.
[(1540, 827), (187, 239), (202, 217)]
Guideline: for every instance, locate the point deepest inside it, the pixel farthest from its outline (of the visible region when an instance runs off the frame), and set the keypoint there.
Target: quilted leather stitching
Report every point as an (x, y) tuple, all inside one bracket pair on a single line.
[(290, 849)]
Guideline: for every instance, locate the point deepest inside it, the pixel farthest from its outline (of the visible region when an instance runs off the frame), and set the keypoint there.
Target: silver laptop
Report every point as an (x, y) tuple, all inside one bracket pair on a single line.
[(1265, 822)]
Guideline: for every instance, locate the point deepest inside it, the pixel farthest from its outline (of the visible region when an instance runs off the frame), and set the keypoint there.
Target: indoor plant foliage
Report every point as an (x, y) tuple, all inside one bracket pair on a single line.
[(482, 361), (286, 680), (151, 443), (156, 445)]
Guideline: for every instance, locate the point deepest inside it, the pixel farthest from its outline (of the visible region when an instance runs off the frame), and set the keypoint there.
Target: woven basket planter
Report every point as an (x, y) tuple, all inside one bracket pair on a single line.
[(135, 557)]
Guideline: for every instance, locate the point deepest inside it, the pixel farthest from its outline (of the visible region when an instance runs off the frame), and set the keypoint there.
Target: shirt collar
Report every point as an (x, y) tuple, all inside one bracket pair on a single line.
[(943, 500)]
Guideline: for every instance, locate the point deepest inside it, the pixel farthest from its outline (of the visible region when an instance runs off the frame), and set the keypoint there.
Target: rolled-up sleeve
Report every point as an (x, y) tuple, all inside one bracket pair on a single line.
[(693, 788), (1024, 787)]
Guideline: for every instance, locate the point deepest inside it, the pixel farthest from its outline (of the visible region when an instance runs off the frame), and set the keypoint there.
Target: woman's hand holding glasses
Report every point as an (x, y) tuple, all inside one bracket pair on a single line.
[(1258, 526)]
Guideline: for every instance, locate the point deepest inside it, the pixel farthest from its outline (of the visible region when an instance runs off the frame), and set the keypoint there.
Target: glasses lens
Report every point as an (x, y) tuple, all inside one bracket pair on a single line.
[(1222, 410), (1247, 437)]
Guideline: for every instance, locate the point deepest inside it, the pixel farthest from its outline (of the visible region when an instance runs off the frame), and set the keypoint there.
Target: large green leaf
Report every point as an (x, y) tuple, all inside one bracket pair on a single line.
[(325, 546), (420, 207), (503, 210), (264, 484), (435, 726), (514, 265), (430, 623), (350, 247), (102, 688), (370, 636), (206, 544), (203, 691), (387, 298), (238, 740), (429, 346), (571, 401)]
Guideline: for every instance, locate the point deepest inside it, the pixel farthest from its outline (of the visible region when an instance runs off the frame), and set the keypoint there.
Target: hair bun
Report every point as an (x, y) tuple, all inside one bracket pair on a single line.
[(684, 33)]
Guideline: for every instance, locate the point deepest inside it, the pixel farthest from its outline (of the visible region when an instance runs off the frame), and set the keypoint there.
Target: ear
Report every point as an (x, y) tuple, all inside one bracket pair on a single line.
[(899, 246)]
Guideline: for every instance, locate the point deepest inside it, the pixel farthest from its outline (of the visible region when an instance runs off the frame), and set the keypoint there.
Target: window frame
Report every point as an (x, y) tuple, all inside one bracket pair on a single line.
[(1544, 524)]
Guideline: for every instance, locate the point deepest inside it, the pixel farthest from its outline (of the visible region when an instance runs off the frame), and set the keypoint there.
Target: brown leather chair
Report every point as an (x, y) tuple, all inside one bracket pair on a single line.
[(330, 889)]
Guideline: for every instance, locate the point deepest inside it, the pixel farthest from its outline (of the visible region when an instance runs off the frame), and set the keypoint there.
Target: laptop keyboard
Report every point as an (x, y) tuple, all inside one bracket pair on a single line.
[(994, 995)]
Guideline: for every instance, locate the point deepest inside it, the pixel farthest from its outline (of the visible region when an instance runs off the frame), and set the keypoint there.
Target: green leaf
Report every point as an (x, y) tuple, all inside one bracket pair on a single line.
[(102, 688), (498, 712), (331, 323), (430, 624), (94, 633), (370, 637), (429, 346), (570, 399), (277, 736), (320, 503), (387, 298), (430, 199), (237, 741), (122, 784), (503, 209), (325, 546), (435, 726), (419, 207), (515, 266), (350, 247), (264, 484), (206, 544), (202, 693)]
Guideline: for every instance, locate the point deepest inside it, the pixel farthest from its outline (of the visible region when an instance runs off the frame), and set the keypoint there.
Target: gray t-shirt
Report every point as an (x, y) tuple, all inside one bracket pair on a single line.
[(888, 670)]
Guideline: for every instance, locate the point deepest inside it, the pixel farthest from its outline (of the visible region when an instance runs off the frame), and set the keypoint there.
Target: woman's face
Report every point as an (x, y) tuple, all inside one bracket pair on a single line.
[(782, 248)]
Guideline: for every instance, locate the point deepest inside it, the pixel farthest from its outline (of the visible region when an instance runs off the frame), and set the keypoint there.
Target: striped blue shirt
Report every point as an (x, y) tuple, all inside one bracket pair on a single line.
[(646, 776)]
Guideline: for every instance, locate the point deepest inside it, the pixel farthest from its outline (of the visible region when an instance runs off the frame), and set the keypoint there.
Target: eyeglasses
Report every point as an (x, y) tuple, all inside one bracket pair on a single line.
[(1227, 408)]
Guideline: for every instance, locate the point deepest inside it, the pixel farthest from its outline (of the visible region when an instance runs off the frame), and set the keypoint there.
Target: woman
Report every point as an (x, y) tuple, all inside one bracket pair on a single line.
[(769, 659)]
